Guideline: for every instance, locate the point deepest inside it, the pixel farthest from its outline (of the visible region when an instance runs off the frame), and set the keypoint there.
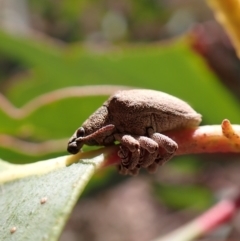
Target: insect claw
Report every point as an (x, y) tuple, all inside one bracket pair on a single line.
[(152, 168), (134, 171), (122, 170)]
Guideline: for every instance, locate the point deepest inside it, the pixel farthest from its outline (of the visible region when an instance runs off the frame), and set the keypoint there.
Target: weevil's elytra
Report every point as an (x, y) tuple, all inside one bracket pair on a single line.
[(136, 118)]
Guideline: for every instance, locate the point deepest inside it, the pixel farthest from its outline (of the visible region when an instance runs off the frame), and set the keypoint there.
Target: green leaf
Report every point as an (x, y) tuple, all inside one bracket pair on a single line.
[(36, 199), (184, 196), (174, 68)]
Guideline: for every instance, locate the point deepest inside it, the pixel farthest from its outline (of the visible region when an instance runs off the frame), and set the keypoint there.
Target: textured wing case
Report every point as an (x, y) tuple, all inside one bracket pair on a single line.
[(134, 110)]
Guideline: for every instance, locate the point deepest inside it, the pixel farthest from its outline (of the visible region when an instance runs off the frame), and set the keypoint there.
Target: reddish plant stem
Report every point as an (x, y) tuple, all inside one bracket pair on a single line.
[(224, 138), (221, 213), (207, 139)]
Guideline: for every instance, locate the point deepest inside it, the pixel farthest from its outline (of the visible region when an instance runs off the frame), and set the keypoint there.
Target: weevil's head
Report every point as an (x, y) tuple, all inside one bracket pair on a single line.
[(75, 143), (92, 132)]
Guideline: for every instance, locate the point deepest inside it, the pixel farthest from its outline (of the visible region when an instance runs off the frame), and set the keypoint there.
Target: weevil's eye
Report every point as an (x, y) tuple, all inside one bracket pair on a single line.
[(80, 132)]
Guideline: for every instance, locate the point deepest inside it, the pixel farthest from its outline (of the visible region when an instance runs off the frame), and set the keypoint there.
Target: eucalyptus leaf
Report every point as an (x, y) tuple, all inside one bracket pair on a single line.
[(36, 199)]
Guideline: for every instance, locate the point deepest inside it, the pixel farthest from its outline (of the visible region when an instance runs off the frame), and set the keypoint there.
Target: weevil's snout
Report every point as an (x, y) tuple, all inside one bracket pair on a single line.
[(75, 144), (73, 147)]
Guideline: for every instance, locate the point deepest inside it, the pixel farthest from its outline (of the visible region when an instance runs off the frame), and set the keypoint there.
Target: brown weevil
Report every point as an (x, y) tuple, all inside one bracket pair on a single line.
[(136, 118)]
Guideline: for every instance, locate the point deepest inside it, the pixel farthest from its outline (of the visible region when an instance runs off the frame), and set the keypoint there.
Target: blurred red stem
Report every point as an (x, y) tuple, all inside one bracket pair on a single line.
[(224, 138), (221, 213)]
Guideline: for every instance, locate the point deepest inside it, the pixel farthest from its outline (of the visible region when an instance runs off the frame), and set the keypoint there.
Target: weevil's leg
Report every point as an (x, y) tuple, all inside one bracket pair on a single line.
[(164, 141), (149, 159), (161, 159), (150, 153), (134, 149), (152, 168), (134, 171), (127, 140), (124, 155), (147, 143), (134, 159), (101, 134), (123, 170), (141, 158), (169, 145)]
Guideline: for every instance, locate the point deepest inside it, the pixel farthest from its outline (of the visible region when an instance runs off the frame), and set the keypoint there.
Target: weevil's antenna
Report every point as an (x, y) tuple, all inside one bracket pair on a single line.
[(105, 129)]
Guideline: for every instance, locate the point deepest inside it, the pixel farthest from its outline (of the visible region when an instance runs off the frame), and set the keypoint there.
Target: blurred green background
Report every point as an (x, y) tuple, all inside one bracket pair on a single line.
[(173, 46)]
